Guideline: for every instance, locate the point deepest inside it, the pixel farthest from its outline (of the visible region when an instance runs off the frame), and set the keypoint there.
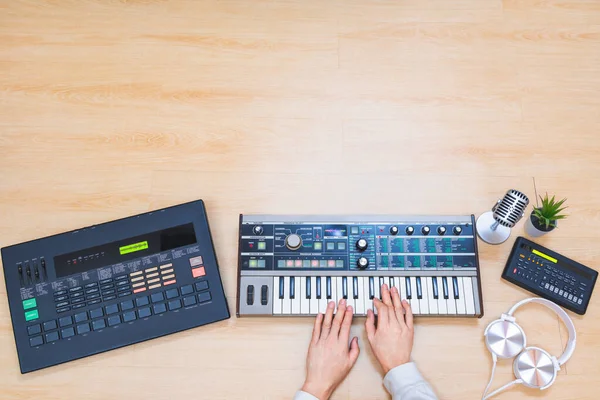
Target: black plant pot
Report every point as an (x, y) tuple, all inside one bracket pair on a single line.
[(534, 227)]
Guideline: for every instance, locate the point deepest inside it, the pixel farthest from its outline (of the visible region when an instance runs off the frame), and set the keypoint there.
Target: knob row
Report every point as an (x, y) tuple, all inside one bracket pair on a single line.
[(441, 230)]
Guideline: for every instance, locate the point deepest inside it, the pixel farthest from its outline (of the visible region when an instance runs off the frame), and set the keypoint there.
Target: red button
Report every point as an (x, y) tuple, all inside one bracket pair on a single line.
[(142, 289), (298, 263), (331, 263), (197, 272), (289, 263), (314, 263), (171, 282), (514, 271)]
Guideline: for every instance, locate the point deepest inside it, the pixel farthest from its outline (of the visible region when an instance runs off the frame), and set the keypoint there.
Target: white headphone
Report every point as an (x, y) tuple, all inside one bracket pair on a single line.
[(533, 367)]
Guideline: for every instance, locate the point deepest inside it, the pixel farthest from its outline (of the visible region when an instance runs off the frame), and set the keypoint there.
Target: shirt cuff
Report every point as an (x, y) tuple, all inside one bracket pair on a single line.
[(300, 395), (398, 379)]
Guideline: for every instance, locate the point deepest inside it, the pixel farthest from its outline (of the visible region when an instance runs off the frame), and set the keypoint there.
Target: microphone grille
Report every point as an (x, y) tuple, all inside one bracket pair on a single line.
[(511, 208)]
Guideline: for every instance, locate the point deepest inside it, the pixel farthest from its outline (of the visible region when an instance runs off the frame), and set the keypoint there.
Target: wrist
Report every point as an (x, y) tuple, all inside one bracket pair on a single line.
[(320, 391), (388, 367)]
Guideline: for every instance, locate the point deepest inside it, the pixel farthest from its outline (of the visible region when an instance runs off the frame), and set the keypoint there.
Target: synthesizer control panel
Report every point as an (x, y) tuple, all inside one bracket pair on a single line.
[(110, 285), (293, 265)]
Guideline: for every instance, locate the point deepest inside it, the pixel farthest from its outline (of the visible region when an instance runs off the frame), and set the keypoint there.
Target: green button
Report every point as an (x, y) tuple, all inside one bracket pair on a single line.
[(262, 245), (318, 246), (29, 303), (253, 263), (31, 315)]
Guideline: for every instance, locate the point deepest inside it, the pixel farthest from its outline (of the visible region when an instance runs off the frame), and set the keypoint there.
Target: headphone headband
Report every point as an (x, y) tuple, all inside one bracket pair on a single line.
[(562, 315)]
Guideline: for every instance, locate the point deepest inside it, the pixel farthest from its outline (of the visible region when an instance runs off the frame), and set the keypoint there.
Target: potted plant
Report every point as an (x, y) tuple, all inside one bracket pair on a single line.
[(544, 219)]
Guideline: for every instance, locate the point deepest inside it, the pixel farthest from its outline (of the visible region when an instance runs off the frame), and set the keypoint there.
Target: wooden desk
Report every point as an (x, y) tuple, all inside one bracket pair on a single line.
[(111, 108)]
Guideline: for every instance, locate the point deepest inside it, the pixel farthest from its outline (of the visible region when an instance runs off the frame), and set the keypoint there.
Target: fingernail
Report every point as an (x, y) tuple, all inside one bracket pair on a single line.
[(349, 308), (331, 304)]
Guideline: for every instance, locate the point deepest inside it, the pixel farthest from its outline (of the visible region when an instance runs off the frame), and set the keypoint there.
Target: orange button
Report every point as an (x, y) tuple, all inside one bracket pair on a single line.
[(169, 282), (197, 272), (142, 289)]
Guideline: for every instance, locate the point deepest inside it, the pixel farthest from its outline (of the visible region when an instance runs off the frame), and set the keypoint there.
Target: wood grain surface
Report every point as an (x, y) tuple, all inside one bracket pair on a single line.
[(110, 108)]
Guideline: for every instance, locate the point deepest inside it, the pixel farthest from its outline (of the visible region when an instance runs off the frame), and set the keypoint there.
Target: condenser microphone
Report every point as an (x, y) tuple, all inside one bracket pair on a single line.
[(494, 226)]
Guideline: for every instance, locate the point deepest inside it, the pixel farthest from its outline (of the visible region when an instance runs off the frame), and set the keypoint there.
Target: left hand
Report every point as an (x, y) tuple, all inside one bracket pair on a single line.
[(330, 358)]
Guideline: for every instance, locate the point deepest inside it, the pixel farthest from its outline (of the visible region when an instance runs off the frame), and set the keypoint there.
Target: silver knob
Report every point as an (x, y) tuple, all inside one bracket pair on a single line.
[(362, 244), (362, 263), (293, 241)]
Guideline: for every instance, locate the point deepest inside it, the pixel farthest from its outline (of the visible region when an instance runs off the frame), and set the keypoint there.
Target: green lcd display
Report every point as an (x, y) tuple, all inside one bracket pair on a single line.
[(132, 248)]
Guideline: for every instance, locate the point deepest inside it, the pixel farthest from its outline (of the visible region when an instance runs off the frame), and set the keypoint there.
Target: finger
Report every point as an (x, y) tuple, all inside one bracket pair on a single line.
[(354, 350), (339, 317), (328, 319), (398, 309), (370, 325), (382, 311), (409, 315), (317, 328), (346, 324), (385, 295)]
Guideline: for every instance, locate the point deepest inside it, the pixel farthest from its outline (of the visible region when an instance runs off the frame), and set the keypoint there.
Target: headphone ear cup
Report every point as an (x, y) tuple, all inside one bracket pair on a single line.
[(535, 368), (505, 339)]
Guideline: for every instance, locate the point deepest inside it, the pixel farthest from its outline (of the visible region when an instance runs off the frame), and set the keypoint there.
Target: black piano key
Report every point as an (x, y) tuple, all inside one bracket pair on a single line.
[(292, 287), (419, 288), (408, 288), (371, 288), (455, 286), (355, 287), (436, 294), (318, 287), (328, 280), (308, 287), (281, 287), (344, 287), (392, 282), (445, 287)]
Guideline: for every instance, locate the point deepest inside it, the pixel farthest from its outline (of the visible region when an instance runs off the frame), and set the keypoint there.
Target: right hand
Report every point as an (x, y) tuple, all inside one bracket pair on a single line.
[(392, 339)]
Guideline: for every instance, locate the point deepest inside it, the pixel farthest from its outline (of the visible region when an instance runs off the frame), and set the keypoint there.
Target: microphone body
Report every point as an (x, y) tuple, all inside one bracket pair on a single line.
[(494, 226)]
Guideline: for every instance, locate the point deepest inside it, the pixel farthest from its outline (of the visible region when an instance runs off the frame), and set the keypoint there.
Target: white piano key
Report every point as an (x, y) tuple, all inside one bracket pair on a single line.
[(304, 302), (277, 302), (377, 291), (360, 302), (460, 302), (386, 280), (433, 305), (287, 301), (424, 301), (469, 299), (366, 291), (323, 301), (314, 303), (414, 302), (442, 304), (338, 287), (402, 283), (350, 300), (297, 297), (334, 297)]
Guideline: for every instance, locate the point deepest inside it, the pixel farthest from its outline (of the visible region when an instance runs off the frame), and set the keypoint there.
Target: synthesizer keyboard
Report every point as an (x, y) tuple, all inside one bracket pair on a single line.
[(110, 285), (292, 265)]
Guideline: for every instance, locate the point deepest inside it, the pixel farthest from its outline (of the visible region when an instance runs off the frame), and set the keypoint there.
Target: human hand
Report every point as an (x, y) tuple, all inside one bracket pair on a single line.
[(392, 340), (330, 358)]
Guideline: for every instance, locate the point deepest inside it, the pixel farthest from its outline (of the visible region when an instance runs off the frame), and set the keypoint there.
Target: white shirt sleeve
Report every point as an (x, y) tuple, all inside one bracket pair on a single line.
[(405, 382), (300, 395)]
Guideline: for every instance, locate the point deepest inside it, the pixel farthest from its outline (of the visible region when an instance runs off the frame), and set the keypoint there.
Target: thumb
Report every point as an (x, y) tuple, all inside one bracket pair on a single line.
[(354, 350)]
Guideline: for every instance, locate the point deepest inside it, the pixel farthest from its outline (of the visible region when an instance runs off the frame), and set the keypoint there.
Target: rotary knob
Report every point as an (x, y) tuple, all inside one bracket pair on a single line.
[(425, 230), (258, 230), (362, 263), (410, 230), (457, 230), (293, 241), (362, 244), (441, 230), (394, 230)]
